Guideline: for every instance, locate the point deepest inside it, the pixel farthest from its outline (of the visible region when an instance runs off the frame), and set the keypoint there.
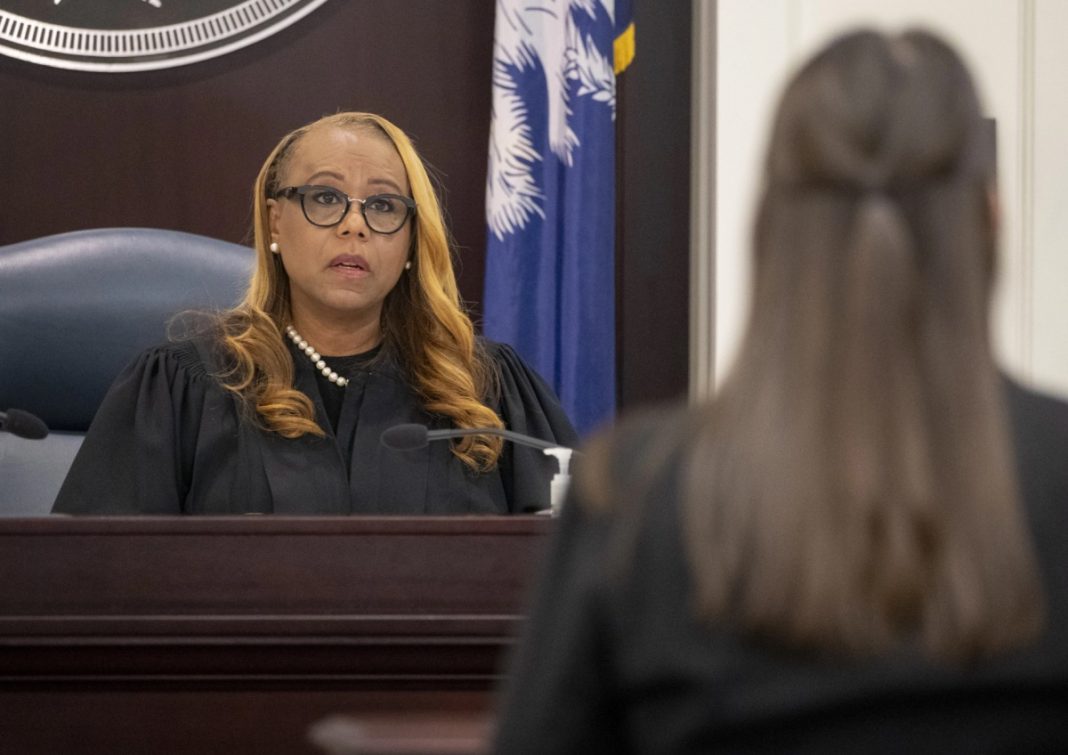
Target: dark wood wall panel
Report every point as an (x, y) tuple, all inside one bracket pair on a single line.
[(653, 270), (180, 148)]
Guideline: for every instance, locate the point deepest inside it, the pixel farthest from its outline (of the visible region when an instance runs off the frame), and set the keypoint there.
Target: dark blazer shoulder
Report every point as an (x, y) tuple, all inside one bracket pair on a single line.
[(1035, 407)]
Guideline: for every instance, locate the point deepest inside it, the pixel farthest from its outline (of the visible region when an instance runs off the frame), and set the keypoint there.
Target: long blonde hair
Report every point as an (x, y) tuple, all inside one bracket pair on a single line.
[(852, 486), (424, 326)]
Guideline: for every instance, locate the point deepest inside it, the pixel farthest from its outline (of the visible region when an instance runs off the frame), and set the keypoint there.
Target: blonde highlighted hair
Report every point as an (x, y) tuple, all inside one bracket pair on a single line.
[(424, 326)]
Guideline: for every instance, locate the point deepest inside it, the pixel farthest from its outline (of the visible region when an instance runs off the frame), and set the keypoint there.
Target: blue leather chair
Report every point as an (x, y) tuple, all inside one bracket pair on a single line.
[(75, 308)]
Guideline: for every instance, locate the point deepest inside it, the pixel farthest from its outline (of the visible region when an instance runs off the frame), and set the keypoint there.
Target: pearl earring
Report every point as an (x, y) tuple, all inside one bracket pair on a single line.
[(408, 265), (274, 247)]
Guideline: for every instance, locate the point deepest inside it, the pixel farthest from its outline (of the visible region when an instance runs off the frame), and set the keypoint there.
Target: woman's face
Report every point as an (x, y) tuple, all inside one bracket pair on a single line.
[(341, 273)]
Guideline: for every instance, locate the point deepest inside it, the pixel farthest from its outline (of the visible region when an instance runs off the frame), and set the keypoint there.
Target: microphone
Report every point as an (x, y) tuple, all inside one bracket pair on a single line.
[(22, 424), (410, 437)]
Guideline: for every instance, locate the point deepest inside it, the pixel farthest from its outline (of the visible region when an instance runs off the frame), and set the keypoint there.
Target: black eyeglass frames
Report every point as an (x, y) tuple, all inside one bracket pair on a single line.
[(326, 206)]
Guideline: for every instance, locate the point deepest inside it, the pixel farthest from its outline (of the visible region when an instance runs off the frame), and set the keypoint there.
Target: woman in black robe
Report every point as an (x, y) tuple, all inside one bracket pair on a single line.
[(352, 324), (859, 543)]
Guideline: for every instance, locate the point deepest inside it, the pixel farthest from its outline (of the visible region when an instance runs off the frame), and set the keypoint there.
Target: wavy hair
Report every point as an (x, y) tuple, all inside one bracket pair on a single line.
[(852, 486), (424, 326)]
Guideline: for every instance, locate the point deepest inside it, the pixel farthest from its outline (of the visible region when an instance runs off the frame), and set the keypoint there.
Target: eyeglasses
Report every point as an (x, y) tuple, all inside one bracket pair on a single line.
[(326, 206)]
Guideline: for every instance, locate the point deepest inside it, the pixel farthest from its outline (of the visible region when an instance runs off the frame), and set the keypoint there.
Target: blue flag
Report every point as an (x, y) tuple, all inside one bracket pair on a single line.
[(550, 194)]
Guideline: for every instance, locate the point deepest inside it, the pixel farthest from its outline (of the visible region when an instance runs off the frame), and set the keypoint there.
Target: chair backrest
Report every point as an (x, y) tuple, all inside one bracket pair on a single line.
[(75, 308)]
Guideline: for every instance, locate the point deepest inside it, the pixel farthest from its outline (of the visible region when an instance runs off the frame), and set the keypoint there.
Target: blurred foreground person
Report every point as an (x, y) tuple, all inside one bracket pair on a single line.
[(859, 545)]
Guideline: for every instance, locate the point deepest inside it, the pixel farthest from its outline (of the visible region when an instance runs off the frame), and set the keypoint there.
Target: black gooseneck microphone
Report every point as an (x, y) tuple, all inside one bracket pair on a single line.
[(22, 424), (411, 437)]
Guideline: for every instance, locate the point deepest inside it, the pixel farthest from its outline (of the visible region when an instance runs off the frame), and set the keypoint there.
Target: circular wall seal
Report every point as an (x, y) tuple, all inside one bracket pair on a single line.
[(115, 36)]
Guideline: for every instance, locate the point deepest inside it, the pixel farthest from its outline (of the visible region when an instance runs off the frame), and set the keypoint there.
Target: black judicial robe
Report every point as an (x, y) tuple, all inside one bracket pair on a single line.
[(169, 439)]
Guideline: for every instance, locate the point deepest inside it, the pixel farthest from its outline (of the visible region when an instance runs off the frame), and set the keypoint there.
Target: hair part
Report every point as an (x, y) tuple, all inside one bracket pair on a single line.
[(424, 326)]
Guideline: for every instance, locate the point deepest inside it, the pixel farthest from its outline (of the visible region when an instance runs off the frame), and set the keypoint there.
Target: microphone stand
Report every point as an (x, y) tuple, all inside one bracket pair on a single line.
[(409, 437)]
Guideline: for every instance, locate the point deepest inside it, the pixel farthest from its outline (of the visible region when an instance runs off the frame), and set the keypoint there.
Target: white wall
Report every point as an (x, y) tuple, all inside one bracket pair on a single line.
[(1047, 299), (1015, 50)]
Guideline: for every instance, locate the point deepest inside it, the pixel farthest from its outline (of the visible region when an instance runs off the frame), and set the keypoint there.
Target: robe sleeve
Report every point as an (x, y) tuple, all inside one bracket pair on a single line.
[(529, 406), (136, 457)]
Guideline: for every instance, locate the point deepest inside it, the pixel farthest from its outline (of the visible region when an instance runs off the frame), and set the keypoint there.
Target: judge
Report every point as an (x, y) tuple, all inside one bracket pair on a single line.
[(351, 324)]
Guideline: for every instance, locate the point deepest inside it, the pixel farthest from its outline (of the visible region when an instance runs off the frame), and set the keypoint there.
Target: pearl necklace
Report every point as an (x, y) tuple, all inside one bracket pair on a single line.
[(316, 358)]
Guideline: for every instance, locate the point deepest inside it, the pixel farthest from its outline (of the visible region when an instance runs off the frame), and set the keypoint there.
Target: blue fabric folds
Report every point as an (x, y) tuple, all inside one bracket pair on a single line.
[(550, 204)]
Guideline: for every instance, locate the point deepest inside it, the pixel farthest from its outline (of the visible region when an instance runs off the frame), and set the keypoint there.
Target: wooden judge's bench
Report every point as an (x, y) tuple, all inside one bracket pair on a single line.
[(236, 634)]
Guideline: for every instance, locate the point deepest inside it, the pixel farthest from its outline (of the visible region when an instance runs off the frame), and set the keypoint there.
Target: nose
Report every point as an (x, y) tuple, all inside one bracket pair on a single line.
[(353, 222)]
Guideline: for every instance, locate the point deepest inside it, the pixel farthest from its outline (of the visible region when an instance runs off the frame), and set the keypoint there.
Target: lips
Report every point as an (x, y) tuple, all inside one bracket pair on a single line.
[(350, 263)]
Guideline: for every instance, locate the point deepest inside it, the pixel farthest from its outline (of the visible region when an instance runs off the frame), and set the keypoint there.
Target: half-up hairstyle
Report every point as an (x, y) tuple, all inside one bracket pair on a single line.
[(424, 326), (852, 486)]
